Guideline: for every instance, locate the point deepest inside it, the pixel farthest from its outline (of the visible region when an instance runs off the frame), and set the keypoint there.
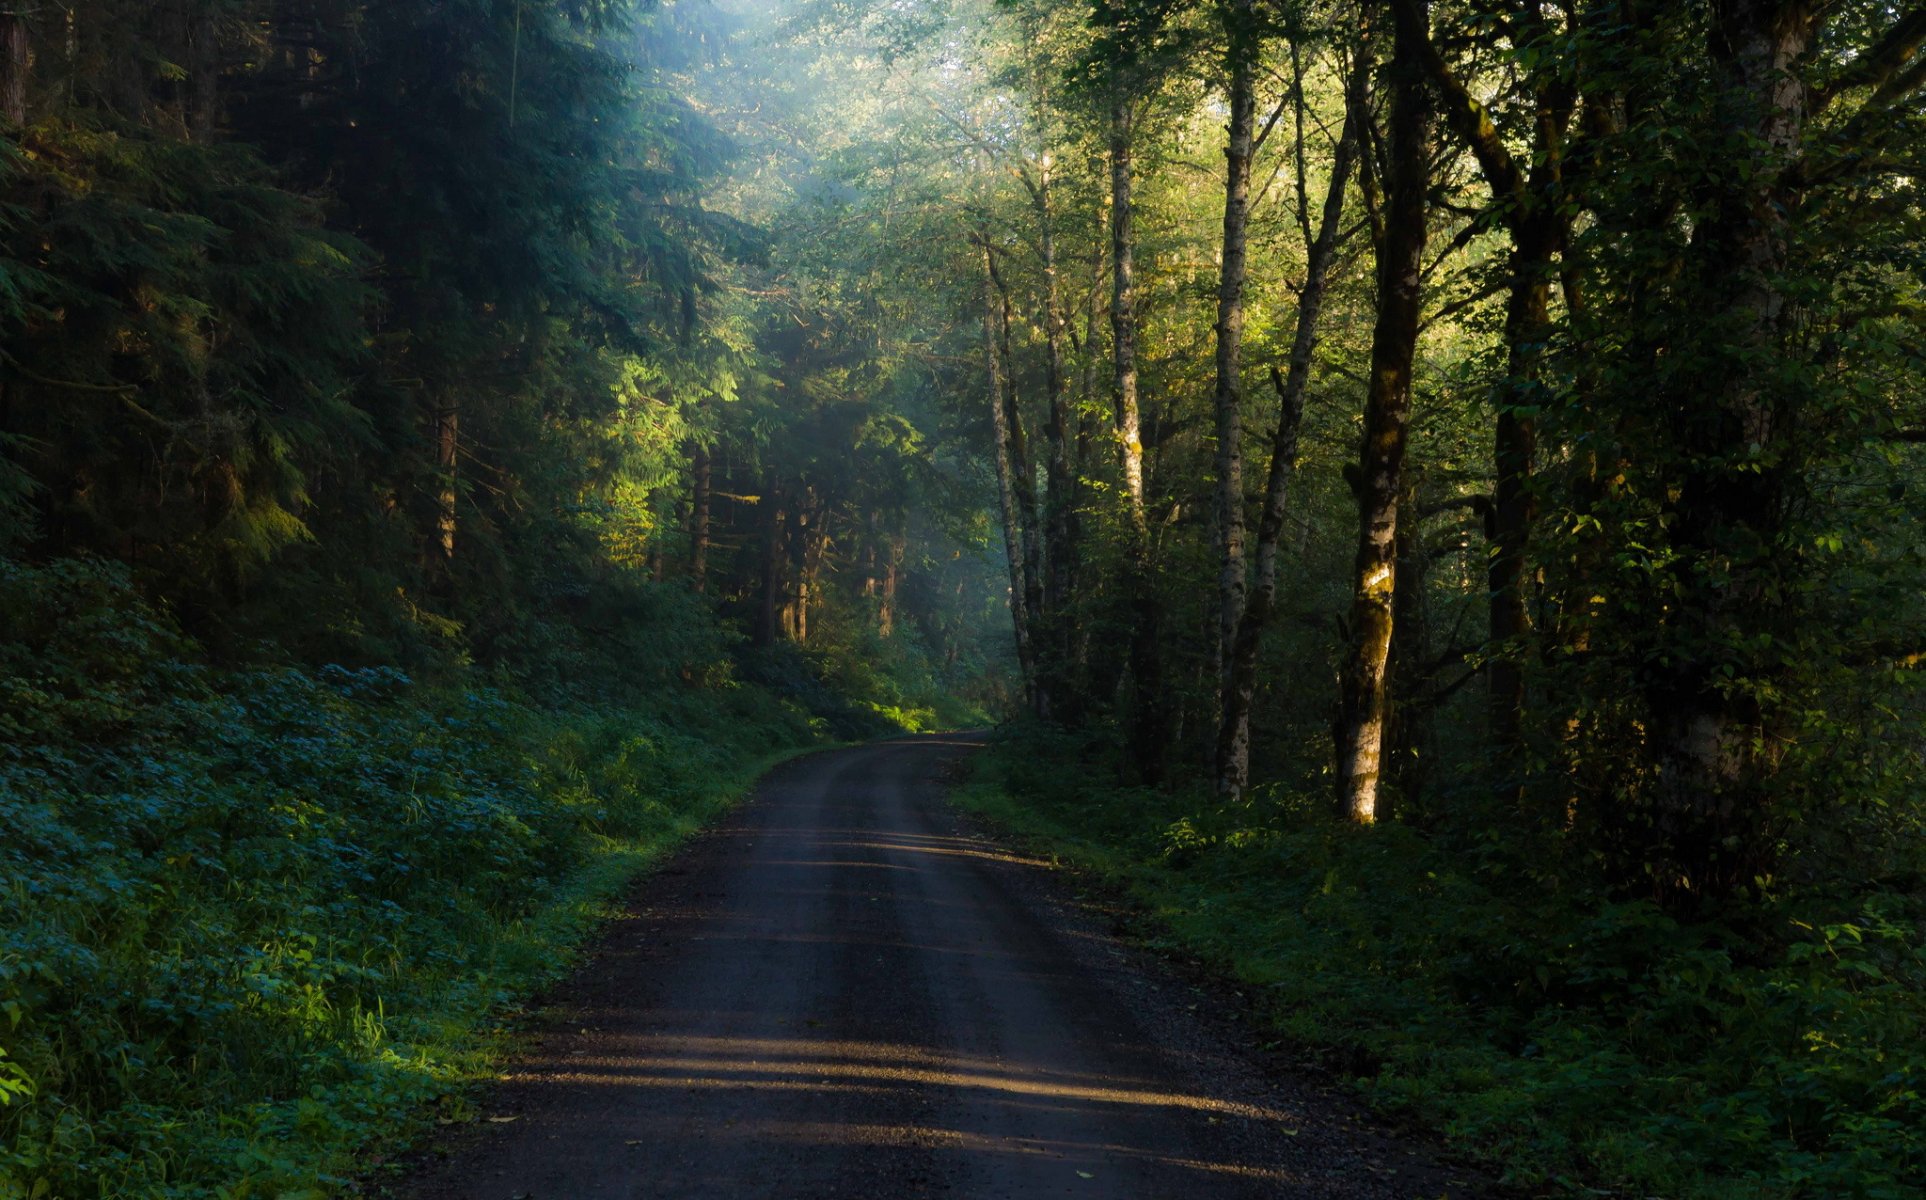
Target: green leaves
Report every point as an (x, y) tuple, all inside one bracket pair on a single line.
[(250, 919)]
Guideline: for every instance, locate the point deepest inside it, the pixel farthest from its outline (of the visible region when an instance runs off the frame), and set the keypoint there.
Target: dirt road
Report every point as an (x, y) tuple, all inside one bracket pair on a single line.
[(843, 993)]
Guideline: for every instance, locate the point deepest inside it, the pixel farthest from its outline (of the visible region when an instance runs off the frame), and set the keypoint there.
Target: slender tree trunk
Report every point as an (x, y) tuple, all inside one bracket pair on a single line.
[(1123, 312), (1407, 671), (1241, 62), (206, 81), (1528, 198), (1007, 453), (16, 57), (1149, 712), (447, 459), (1089, 422), (1059, 518), (774, 532), (701, 489), (1387, 417), (1240, 684), (814, 544), (872, 577), (1527, 322), (1028, 509), (892, 575)]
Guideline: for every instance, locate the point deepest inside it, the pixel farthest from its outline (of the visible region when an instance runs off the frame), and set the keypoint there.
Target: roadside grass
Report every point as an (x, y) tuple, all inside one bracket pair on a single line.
[(1581, 1045), (259, 927)]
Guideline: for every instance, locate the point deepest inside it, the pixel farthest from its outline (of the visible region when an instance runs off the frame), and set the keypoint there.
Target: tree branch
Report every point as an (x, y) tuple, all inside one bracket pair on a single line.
[(1876, 67)]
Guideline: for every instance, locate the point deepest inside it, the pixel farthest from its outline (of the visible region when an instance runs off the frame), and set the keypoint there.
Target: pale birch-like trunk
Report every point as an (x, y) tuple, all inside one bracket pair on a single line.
[(1123, 312), (1240, 682), (1148, 708), (1003, 453)]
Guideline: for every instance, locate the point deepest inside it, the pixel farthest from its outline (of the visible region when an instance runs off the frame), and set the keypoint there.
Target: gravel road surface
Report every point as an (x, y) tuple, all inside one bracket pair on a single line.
[(843, 991)]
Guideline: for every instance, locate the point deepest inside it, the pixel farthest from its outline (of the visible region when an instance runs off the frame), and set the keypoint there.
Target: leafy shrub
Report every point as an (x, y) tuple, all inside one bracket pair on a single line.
[(248, 919), (1563, 1034)]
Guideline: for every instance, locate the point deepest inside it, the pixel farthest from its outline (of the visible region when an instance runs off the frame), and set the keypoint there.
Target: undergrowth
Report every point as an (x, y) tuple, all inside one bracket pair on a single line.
[(1590, 1044), (255, 921)]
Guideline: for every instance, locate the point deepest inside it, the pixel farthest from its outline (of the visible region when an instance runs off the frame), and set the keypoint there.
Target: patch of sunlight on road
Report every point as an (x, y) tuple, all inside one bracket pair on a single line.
[(830, 862), (752, 1062), (961, 849)]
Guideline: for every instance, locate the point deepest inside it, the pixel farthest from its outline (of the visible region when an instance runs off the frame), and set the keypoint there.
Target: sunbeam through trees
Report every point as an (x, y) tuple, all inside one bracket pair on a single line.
[(1422, 490)]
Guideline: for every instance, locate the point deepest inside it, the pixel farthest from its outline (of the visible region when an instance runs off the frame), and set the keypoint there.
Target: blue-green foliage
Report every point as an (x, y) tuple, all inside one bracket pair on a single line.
[(1559, 1033), (247, 920)]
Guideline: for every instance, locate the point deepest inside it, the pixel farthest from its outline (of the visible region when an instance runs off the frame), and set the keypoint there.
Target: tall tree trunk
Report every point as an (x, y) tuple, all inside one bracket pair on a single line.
[(1714, 747), (812, 547), (1123, 312), (447, 458), (204, 40), (1240, 682), (1028, 510), (701, 490), (872, 578), (1059, 516), (1408, 677), (1379, 480), (1528, 199), (892, 577), (16, 57), (1240, 22), (775, 529), (1007, 451), (1515, 439), (1089, 424), (1149, 715)]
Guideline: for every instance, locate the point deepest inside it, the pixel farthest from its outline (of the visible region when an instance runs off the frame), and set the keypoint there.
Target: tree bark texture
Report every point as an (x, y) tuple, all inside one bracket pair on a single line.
[(1149, 717), (1241, 67), (701, 493), (1529, 200), (1123, 309), (16, 57), (1387, 418), (1060, 501), (892, 577), (1006, 452), (1240, 683), (447, 460), (1714, 746), (775, 529)]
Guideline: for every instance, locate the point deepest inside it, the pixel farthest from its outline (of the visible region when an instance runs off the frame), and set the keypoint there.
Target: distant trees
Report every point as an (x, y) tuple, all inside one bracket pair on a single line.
[(1591, 429), (421, 326), (426, 317)]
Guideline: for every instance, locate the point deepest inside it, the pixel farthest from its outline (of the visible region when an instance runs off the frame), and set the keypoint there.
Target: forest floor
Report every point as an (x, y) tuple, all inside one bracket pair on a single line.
[(844, 990)]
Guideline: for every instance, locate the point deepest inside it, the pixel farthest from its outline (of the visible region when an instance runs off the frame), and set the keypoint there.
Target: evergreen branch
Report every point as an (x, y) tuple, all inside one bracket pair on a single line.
[(71, 384)]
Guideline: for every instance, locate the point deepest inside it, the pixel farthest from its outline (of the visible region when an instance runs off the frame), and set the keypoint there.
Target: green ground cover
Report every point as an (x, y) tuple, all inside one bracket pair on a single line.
[(1576, 1042), (255, 921)]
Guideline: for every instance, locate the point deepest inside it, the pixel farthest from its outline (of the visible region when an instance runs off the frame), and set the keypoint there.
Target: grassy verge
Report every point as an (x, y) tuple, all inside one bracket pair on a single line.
[(1579, 1044), (253, 923)]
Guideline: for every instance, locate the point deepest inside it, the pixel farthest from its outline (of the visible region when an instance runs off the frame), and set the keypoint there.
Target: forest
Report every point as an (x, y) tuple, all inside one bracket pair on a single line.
[(1422, 490)]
